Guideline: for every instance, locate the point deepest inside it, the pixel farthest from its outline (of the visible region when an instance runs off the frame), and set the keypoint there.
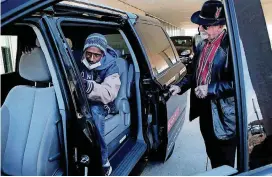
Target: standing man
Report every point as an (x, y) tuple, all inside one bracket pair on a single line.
[(212, 90), (102, 83)]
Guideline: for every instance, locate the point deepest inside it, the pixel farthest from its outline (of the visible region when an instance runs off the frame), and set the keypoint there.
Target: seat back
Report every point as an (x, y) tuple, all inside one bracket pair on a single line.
[(118, 52), (116, 124), (123, 72), (29, 135)]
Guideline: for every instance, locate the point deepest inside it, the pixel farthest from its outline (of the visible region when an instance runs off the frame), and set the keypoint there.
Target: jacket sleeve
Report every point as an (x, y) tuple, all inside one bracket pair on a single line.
[(220, 89), (185, 84), (107, 91)]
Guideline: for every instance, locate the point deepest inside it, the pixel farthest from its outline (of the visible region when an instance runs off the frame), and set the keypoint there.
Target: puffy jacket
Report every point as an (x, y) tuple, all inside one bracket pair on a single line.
[(104, 81), (220, 91)]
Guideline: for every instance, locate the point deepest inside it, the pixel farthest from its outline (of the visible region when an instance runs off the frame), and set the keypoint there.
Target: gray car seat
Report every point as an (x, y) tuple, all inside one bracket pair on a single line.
[(29, 135), (116, 124)]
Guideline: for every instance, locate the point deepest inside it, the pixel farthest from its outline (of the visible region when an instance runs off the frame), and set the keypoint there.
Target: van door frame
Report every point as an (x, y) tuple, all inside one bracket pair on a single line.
[(79, 126), (161, 83), (241, 113), (137, 86), (118, 27), (60, 94), (39, 27), (241, 110)]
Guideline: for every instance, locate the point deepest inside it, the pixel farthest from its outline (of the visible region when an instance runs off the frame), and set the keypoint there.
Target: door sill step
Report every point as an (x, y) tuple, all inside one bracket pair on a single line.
[(127, 157)]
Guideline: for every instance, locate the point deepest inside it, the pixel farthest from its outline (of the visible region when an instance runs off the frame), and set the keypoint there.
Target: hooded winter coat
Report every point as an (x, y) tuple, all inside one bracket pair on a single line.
[(104, 80)]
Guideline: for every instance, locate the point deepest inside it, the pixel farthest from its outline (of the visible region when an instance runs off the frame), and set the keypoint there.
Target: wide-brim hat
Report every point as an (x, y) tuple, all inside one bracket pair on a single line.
[(211, 14)]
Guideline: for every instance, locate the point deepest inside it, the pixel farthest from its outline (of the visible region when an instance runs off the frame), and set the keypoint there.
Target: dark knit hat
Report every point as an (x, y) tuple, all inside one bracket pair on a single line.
[(96, 40)]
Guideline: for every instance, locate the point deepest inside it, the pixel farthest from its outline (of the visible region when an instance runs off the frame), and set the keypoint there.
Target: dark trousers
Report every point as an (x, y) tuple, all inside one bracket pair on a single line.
[(220, 152)]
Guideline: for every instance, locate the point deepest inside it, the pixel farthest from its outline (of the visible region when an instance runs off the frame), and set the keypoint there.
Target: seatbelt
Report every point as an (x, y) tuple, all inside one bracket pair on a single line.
[(59, 123), (60, 135)]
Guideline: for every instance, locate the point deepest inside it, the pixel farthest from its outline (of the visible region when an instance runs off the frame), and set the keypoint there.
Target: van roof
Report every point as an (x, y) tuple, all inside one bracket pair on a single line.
[(85, 6)]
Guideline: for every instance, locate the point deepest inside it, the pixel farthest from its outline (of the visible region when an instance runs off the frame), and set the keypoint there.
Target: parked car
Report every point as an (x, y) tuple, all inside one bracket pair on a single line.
[(51, 130), (183, 44), (184, 47)]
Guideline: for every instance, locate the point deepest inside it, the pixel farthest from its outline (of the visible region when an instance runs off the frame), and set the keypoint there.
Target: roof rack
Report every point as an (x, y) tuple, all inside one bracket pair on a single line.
[(86, 3)]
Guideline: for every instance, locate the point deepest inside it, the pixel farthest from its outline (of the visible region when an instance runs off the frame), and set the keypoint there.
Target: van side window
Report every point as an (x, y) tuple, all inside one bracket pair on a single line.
[(8, 54), (158, 47)]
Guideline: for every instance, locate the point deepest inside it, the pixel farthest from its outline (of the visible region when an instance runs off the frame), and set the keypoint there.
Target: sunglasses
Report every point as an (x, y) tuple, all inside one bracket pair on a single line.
[(91, 54), (205, 27)]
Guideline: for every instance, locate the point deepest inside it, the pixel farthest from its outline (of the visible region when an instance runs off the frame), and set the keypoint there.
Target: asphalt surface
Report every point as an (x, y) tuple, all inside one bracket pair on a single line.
[(189, 156)]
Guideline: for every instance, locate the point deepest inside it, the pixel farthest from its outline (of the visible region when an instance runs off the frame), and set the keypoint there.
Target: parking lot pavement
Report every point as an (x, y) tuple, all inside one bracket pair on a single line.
[(189, 156)]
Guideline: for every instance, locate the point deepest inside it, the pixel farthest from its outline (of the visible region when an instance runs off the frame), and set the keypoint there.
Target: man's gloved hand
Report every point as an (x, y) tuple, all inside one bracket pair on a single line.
[(201, 91), (88, 85), (174, 89)]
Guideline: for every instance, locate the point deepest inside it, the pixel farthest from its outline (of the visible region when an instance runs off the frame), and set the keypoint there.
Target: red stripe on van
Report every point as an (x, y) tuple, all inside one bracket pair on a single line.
[(173, 119)]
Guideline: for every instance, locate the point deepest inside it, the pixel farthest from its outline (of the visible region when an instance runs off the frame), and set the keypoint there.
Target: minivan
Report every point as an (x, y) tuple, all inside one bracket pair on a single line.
[(46, 125), (46, 122)]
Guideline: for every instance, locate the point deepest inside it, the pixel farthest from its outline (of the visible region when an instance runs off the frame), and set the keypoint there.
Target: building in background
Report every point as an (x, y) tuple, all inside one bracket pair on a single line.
[(171, 29)]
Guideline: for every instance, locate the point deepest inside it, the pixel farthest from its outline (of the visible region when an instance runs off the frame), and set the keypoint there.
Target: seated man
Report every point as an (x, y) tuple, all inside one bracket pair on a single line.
[(102, 82)]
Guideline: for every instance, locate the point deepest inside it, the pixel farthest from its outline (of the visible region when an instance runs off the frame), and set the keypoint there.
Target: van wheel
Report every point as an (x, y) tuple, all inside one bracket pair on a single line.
[(171, 152)]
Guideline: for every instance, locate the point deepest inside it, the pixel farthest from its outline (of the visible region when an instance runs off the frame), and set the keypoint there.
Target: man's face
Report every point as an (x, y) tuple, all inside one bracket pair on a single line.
[(212, 31), (93, 54)]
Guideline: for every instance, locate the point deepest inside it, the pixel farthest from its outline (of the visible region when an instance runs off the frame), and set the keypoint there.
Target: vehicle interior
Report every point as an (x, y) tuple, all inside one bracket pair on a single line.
[(122, 126), (118, 124), (33, 115), (29, 83), (31, 110)]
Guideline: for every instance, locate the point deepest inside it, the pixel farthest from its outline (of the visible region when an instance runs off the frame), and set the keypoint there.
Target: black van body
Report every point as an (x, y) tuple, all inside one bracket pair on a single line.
[(151, 120), (156, 116)]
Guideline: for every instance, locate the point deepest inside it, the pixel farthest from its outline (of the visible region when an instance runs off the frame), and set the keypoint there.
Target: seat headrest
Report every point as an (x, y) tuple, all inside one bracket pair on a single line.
[(122, 65), (119, 53), (33, 66)]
